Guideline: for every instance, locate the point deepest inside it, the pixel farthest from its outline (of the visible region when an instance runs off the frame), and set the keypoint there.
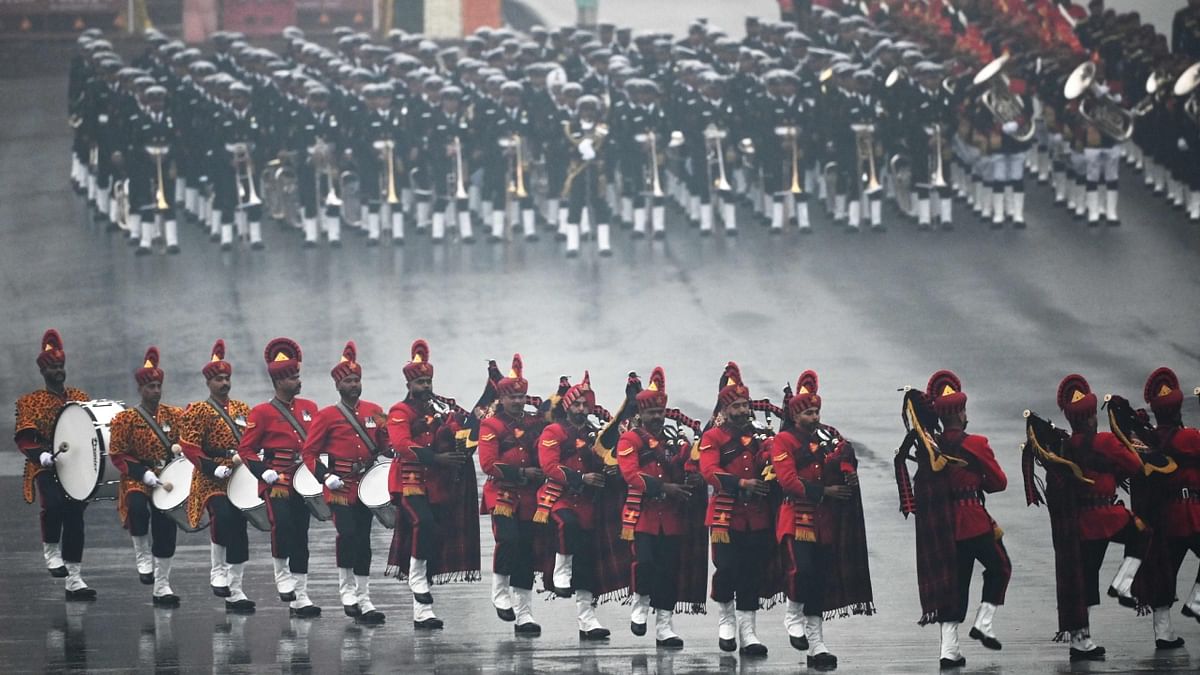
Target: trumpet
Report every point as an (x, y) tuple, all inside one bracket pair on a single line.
[(1103, 113), (516, 186), (713, 136), (792, 133), (321, 155), (160, 192), (651, 138), (243, 169), (387, 149), (864, 146), (936, 179), (460, 190)]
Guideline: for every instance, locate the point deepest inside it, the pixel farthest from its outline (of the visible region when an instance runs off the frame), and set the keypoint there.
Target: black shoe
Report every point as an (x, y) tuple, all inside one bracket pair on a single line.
[(352, 611), (530, 629), (226, 247), (606, 253), (506, 614), (310, 244), (371, 618), (221, 591), (147, 578), (1094, 654), (1169, 644), (372, 243), (257, 246), (729, 645), (1126, 602), (946, 664), (670, 643), (169, 601), (287, 597), (60, 572), (336, 244), (1019, 224), (825, 661), (468, 240), (563, 592), (571, 254), (594, 634), (1114, 223), (82, 595), (638, 629), (800, 643), (142, 250), (660, 235), (240, 606), (639, 235), (173, 250), (423, 598), (754, 650), (1187, 611), (310, 612), (429, 624), (985, 640)]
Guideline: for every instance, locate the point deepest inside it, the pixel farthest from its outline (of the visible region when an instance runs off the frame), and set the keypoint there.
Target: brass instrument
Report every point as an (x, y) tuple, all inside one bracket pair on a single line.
[(516, 186), (898, 73), (651, 138), (792, 135), (936, 177), (1155, 89), (387, 151), (864, 147), (1187, 85), (713, 137), (460, 190), (121, 196), (243, 170), (321, 156), (1004, 105), (1103, 113), (596, 133), (279, 187), (160, 192)]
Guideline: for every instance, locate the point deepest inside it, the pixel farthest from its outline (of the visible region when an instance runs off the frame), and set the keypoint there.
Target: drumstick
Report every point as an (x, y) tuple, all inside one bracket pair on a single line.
[(63, 447), (176, 449), (237, 460), (167, 486)]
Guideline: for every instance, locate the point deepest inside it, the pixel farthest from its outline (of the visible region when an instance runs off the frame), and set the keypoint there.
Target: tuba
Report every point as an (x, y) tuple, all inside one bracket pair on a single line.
[(1101, 112), (864, 148), (1156, 86), (279, 187), (1186, 85), (1001, 102)]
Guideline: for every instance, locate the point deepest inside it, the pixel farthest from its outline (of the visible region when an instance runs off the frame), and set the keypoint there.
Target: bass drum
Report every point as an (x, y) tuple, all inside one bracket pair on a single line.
[(243, 494), (373, 493), (173, 502), (310, 489), (81, 436)]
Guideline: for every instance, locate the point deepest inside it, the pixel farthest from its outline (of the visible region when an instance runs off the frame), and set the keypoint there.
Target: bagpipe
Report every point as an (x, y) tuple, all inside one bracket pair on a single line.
[(1044, 445), (921, 423), (1133, 429)]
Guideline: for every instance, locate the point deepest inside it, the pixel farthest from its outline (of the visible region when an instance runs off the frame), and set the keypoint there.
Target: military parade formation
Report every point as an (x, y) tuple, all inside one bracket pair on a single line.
[(584, 134), (598, 506)]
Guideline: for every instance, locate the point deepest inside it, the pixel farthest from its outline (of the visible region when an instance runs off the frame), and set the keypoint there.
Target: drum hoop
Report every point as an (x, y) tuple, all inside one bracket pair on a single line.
[(382, 467), (98, 438), (182, 502)]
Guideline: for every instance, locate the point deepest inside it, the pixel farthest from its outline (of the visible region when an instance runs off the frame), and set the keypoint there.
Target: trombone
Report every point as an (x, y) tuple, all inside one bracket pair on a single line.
[(792, 133), (936, 178), (864, 146), (516, 186), (387, 148), (651, 138), (460, 189), (243, 170), (160, 192), (713, 136)]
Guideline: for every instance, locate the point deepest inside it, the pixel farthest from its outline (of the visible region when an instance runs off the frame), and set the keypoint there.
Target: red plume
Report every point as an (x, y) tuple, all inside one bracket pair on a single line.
[(151, 357), (420, 348), (807, 381), (938, 382), (518, 366), (52, 341), (658, 378), (350, 352), (732, 372), (218, 350)]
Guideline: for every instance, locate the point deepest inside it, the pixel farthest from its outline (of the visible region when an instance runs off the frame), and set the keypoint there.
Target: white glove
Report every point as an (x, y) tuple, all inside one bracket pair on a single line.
[(150, 479), (1116, 98), (586, 150), (223, 472), (1010, 127), (333, 482), (46, 459), (1183, 144), (270, 476), (1100, 89)]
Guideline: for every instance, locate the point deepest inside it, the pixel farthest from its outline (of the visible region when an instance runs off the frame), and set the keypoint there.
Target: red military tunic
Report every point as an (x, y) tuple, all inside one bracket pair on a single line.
[(349, 456), (1106, 462), (982, 474), (799, 462), (505, 447), (1182, 516), (565, 454), (37, 413), (268, 431), (135, 448), (645, 465), (416, 431), (728, 456)]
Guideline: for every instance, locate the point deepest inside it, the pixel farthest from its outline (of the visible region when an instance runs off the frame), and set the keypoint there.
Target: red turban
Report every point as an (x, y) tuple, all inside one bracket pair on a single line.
[(283, 357), (733, 389), (419, 366), (945, 391), (1162, 391), (806, 394), (149, 372), (217, 365), (1075, 399), (515, 383), (654, 395), (52, 353), (348, 365), (583, 389)]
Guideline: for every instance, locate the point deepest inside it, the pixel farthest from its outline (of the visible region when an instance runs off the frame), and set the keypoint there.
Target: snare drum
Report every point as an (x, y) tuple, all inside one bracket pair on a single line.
[(177, 472), (81, 449), (374, 494), (243, 494), (310, 489)]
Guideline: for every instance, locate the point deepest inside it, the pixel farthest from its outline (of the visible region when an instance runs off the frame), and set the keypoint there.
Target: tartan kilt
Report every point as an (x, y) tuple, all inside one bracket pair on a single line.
[(458, 553), (937, 555)]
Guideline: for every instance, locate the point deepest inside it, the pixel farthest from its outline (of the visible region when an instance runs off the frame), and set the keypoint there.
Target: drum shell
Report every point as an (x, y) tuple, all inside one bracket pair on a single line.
[(178, 472), (305, 484), (243, 494), (374, 494), (84, 427)]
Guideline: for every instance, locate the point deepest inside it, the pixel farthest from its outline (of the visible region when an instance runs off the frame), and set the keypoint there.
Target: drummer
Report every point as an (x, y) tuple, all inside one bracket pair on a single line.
[(62, 517), (353, 433), (209, 433), (278, 428), (143, 439)]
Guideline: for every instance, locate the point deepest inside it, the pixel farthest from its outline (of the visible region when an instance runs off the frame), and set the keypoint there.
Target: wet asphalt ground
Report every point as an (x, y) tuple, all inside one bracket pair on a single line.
[(1010, 311)]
